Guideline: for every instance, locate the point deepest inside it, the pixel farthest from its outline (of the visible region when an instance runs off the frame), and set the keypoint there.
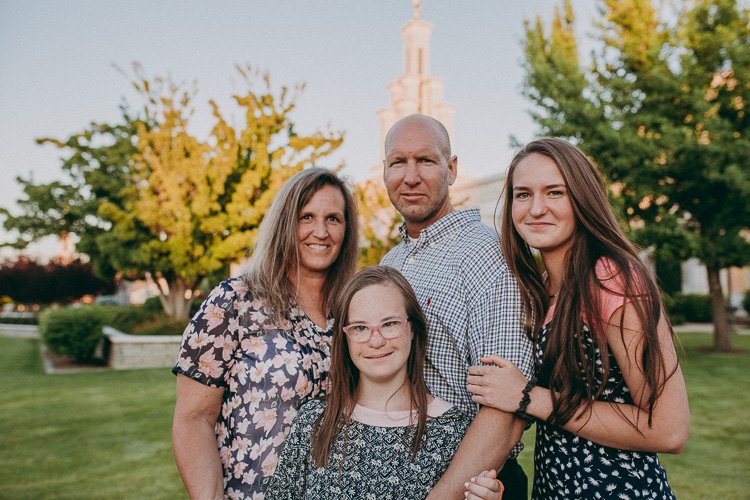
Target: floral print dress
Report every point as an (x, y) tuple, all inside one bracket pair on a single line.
[(267, 369)]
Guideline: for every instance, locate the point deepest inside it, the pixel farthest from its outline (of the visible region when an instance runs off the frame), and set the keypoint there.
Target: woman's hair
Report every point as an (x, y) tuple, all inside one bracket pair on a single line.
[(344, 375), (276, 250), (567, 361)]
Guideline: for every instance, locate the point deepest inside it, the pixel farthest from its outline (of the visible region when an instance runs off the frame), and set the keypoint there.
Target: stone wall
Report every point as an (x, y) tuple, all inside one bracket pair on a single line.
[(19, 331), (127, 352)]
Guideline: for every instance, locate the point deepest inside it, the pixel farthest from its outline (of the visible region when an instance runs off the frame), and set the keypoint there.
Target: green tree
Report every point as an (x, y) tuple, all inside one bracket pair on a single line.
[(178, 207), (95, 170), (662, 106)]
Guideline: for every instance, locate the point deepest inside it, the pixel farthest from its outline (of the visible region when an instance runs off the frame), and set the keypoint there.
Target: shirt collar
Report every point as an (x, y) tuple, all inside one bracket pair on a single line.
[(444, 226)]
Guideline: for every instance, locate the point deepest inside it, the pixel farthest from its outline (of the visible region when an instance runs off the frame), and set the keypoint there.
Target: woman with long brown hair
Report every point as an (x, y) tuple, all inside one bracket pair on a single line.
[(379, 433), (259, 345), (609, 393)]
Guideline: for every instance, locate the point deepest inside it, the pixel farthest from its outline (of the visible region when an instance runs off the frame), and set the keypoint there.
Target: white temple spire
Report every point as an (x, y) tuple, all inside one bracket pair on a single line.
[(416, 91)]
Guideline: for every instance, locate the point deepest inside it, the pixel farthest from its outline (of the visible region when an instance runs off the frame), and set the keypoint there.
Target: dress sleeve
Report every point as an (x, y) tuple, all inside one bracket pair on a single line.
[(496, 324), (289, 481), (210, 339)]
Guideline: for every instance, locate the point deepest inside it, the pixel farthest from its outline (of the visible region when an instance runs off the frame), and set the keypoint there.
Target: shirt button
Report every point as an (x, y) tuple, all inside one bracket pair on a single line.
[(410, 260)]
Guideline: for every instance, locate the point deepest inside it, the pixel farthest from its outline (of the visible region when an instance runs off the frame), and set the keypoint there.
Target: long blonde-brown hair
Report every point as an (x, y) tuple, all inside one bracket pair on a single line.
[(344, 375), (276, 252), (598, 234)]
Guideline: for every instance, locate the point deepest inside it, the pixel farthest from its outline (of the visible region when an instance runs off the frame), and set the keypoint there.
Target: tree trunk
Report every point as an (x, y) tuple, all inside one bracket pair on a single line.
[(718, 311), (175, 304)]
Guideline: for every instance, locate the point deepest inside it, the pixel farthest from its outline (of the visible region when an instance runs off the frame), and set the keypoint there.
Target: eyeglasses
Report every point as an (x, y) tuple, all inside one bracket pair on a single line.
[(389, 329)]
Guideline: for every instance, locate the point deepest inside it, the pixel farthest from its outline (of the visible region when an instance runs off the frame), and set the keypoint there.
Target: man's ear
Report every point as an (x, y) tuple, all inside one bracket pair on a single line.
[(452, 169)]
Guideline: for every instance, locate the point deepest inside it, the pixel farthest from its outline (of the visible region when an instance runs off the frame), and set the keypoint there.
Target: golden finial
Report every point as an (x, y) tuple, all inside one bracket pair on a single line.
[(415, 13)]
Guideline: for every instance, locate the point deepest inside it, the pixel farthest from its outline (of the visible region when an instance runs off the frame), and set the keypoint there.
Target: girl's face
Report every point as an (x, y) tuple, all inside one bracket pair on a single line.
[(379, 359), (541, 208)]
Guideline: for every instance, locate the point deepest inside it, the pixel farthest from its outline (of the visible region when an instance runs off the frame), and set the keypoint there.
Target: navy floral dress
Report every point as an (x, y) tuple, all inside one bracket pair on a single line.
[(267, 370), (567, 466)]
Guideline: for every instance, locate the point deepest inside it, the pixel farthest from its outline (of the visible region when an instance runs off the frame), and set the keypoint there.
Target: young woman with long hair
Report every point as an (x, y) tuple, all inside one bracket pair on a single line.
[(379, 433), (259, 345), (609, 393)]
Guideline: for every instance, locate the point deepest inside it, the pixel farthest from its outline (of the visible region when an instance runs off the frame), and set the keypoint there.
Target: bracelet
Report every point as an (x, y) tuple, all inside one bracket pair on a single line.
[(524, 403)]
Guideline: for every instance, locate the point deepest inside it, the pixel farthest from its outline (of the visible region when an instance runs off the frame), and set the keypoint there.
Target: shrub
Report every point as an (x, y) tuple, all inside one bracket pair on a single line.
[(677, 319), (674, 317), (29, 282), (692, 307), (19, 320), (72, 331), (75, 331), (124, 318), (160, 325), (153, 304)]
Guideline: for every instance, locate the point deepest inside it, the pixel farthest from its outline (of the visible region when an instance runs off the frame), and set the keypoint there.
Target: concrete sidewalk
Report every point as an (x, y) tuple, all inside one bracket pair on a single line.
[(19, 331), (709, 328)]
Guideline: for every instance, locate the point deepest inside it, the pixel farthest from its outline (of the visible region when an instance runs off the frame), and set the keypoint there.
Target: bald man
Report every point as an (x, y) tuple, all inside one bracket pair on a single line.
[(469, 296)]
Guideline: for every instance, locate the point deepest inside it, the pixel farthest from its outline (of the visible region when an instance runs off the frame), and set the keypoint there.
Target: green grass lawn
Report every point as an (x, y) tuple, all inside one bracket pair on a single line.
[(107, 434), (84, 435)]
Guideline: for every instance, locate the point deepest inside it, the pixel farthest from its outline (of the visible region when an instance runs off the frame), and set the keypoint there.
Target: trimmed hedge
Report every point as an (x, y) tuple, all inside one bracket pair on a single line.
[(153, 304), (692, 307), (72, 331), (124, 318), (160, 325), (76, 331)]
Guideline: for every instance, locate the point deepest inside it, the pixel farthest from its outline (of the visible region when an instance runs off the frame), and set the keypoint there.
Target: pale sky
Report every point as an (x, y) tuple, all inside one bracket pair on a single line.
[(56, 71)]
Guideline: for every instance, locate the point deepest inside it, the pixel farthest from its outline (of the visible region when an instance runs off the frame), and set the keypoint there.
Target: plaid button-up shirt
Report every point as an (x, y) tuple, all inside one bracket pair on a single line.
[(471, 300)]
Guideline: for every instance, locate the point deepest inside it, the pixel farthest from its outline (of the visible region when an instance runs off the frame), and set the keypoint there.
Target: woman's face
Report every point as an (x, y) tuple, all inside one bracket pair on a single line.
[(321, 227), (380, 359), (541, 208)]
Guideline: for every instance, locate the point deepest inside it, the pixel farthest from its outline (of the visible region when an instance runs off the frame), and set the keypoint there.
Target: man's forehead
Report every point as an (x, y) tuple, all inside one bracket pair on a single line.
[(412, 146)]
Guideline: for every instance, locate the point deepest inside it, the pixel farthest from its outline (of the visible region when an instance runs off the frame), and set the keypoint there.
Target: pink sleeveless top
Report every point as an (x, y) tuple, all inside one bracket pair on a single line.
[(611, 295)]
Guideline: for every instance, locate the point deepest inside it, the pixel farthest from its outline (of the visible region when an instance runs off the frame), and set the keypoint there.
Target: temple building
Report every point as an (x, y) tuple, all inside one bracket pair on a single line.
[(417, 91)]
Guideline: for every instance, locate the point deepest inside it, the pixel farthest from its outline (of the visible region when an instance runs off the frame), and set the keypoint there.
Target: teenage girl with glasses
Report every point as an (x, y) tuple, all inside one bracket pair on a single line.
[(379, 433)]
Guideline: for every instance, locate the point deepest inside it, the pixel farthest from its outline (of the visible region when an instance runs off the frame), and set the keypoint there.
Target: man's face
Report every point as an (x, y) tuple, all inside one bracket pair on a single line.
[(417, 173)]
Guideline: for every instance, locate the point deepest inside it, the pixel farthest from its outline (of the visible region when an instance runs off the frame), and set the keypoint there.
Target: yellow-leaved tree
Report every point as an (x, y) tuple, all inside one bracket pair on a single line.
[(203, 199), (378, 224)]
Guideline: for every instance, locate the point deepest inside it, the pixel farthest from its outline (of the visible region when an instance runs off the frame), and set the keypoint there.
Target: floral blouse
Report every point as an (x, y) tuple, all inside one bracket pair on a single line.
[(267, 370)]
